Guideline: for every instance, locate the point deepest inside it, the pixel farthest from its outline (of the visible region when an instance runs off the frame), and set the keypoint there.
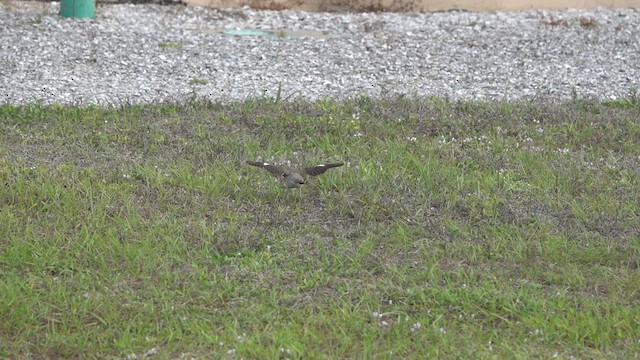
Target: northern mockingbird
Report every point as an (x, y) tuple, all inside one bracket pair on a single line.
[(291, 177)]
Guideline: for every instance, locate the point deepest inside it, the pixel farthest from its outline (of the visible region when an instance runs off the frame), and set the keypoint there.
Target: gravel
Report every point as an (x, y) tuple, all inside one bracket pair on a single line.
[(152, 53)]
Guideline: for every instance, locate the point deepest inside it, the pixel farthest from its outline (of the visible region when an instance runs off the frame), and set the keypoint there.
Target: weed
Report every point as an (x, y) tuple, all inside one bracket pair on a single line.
[(265, 5), (278, 93), (588, 22), (168, 45), (552, 20), (197, 81)]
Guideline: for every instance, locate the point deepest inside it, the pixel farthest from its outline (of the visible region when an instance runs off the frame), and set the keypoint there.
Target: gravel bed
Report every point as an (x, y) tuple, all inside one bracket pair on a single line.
[(153, 53)]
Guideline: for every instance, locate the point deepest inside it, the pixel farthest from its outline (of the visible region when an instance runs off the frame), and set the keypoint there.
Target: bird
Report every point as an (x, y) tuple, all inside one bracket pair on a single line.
[(292, 177)]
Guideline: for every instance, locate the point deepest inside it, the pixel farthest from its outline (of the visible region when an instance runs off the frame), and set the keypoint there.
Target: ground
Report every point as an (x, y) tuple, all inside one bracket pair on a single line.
[(455, 229)]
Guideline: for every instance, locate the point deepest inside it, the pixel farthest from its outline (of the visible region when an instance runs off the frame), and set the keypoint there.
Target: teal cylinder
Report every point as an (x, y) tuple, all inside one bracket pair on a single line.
[(78, 8)]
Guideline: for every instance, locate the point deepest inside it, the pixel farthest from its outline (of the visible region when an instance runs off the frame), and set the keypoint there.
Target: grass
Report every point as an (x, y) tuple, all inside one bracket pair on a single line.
[(197, 81), (168, 45), (455, 230)]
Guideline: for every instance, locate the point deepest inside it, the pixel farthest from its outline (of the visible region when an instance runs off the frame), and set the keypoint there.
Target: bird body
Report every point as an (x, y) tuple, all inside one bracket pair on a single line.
[(292, 177)]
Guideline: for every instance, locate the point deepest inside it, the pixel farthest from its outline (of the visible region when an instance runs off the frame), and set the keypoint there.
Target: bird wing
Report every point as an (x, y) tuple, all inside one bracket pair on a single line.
[(275, 170), (320, 169)]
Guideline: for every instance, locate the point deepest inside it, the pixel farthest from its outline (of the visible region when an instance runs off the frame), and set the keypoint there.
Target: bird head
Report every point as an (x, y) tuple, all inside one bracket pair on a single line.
[(293, 180)]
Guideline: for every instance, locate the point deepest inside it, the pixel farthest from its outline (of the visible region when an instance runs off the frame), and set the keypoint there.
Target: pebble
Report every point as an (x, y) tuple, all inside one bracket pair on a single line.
[(153, 53)]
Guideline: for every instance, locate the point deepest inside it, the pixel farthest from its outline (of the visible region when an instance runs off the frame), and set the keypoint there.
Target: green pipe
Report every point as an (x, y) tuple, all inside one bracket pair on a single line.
[(78, 8)]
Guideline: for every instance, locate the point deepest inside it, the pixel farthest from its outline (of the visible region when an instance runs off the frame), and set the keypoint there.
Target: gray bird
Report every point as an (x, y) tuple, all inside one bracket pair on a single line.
[(291, 177)]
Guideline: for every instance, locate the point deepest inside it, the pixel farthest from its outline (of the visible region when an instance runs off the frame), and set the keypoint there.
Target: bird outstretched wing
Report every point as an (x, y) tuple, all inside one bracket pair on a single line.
[(320, 169), (275, 170)]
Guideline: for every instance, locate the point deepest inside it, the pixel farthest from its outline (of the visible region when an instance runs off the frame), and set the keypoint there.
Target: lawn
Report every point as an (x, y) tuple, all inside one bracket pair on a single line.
[(454, 230)]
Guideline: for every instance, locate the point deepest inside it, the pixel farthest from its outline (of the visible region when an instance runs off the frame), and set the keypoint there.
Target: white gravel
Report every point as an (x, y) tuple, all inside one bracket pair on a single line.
[(117, 57)]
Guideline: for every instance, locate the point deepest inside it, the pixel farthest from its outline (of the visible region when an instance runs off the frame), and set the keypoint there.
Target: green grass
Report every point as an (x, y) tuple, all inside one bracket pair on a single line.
[(168, 45), (455, 230), (197, 81)]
